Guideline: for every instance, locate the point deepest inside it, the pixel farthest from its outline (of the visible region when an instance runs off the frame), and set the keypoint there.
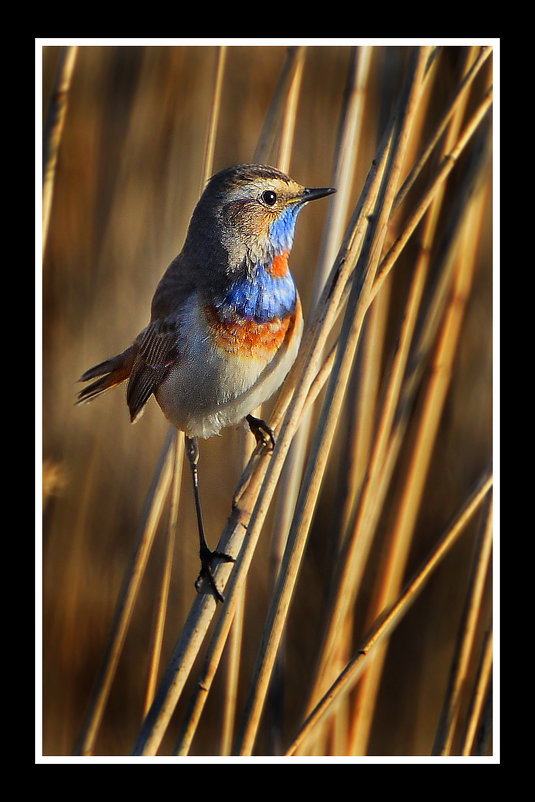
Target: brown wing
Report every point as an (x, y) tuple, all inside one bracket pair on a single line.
[(158, 345), (157, 350)]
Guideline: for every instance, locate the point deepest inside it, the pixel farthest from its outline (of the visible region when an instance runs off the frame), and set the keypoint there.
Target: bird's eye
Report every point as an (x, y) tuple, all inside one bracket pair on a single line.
[(269, 197)]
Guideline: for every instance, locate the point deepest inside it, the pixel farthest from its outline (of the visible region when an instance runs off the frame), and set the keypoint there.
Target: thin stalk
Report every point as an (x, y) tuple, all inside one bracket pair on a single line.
[(342, 179), (290, 112), (446, 167), (363, 393), (481, 690), (362, 423), (293, 64), (125, 605), (459, 100), (347, 149), (465, 644), (215, 108), (232, 677), (167, 571), (368, 687), (387, 622), (55, 121)]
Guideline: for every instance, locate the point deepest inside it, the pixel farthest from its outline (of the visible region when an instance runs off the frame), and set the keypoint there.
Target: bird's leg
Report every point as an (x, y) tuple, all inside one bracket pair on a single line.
[(263, 434), (206, 554)]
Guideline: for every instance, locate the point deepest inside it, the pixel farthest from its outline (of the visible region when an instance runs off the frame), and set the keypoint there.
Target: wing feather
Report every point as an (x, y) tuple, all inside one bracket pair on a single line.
[(157, 351)]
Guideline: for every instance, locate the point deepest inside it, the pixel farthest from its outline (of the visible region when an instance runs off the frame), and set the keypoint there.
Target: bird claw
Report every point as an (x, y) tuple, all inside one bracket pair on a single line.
[(263, 433), (206, 572)]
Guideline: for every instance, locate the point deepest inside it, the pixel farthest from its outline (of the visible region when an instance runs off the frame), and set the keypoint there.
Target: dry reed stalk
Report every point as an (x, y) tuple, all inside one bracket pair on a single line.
[(459, 99), (209, 148), (232, 677), (386, 624), (365, 699), (449, 719), (337, 213), (163, 595), (55, 122), (481, 691), (364, 391), (288, 85), (125, 605), (290, 113), (402, 529), (366, 397)]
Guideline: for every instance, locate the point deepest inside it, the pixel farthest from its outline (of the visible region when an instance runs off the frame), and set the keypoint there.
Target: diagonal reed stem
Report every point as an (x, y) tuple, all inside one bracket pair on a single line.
[(387, 622)]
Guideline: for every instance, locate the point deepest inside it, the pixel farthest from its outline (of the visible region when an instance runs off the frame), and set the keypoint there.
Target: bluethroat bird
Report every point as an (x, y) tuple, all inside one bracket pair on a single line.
[(226, 319)]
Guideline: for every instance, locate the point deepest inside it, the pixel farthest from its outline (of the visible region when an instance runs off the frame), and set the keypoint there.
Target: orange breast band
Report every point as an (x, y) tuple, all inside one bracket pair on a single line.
[(279, 266), (250, 339)]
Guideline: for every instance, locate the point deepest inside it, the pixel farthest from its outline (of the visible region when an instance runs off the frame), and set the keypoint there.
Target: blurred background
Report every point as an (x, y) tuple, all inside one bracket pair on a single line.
[(129, 172)]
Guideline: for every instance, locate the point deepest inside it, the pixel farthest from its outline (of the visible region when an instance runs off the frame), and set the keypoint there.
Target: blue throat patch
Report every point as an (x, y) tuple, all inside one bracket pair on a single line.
[(281, 232), (263, 296)]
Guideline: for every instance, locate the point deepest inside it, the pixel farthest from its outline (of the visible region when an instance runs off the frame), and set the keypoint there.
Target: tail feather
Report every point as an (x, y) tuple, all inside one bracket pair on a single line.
[(112, 372)]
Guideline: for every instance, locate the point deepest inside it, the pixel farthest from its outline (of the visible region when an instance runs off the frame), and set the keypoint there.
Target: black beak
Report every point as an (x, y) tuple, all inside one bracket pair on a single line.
[(316, 192)]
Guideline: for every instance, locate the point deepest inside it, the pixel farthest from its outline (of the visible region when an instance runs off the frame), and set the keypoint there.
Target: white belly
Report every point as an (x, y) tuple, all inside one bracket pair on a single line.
[(210, 388)]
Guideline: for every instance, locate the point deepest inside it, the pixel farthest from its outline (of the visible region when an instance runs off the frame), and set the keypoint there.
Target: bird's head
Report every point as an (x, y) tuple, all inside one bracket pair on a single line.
[(250, 212)]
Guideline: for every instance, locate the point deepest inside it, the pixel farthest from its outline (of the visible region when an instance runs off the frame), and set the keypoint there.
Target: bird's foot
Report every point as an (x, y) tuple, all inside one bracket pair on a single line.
[(207, 557), (263, 434)]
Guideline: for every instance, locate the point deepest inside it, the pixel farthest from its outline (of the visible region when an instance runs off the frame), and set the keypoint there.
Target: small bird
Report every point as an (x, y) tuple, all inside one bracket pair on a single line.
[(226, 319)]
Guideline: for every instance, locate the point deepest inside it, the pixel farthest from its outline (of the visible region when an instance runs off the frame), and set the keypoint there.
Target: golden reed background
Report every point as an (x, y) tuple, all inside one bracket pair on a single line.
[(128, 176)]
